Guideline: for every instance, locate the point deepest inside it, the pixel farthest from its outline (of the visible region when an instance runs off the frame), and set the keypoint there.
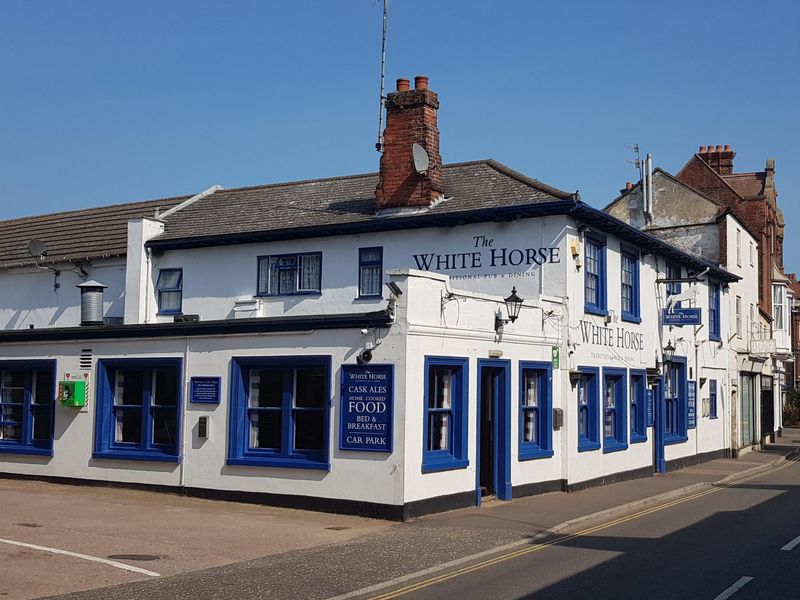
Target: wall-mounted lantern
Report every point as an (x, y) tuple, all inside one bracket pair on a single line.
[(669, 352), (513, 306)]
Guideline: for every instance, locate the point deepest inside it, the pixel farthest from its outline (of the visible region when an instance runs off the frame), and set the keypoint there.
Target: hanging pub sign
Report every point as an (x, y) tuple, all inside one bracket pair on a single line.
[(692, 405), (681, 316), (650, 408), (367, 403)]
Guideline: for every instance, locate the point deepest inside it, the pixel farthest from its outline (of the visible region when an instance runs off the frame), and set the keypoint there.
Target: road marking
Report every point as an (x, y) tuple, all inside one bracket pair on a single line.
[(740, 583), (534, 548), (790, 546), (105, 561)]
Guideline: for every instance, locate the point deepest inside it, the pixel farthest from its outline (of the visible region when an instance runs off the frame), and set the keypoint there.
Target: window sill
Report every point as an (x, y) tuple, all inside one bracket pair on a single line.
[(587, 446), (21, 449), (365, 298), (534, 453), (714, 338), (713, 418), (169, 313), (594, 310), (638, 439), (611, 445), (630, 318), (140, 455), (310, 293), (445, 465), (280, 463), (675, 439)]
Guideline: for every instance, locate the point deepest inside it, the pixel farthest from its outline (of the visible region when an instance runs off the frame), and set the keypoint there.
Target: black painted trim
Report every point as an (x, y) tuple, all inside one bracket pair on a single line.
[(696, 459), (380, 318), (611, 478), (438, 504), (541, 487)]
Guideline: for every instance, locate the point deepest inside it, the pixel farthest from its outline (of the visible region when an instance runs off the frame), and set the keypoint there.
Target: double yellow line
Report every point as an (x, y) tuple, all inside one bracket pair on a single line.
[(564, 538)]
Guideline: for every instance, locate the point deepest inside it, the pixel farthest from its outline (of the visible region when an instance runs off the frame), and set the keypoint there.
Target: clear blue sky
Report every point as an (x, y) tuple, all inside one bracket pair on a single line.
[(110, 101)]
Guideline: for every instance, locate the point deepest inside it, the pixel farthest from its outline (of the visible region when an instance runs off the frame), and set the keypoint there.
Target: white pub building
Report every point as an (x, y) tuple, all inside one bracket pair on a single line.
[(387, 344)]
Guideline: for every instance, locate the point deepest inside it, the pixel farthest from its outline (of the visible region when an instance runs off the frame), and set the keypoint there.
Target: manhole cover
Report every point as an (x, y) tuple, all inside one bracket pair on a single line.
[(28, 524), (338, 528), (141, 557)]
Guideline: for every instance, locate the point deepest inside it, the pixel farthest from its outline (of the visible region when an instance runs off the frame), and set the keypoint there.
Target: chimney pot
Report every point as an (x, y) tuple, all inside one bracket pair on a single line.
[(628, 185), (420, 82), (719, 147), (403, 85), (702, 149), (727, 147)]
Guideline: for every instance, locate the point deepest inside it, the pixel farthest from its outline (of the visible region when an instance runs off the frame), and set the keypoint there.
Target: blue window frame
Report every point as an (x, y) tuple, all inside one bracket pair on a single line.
[(170, 291), (290, 274), (629, 276), (588, 409), (615, 405), (535, 410), (370, 272), (595, 274), (673, 272), (637, 391), (139, 409), (280, 412), (714, 331), (675, 400), (445, 420), (27, 401), (712, 398)]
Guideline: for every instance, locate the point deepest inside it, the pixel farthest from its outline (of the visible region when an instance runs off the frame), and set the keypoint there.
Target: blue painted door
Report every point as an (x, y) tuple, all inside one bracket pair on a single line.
[(659, 427), (493, 463)]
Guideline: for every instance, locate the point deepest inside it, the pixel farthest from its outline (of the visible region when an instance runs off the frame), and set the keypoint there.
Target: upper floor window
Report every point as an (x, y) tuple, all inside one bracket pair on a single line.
[(614, 410), (777, 306), (595, 274), (588, 424), (739, 316), (752, 247), (138, 409), (27, 391), (629, 261), (288, 274), (370, 272), (536, 438), (713, 312), (445, 408), (170, 291), (739, 247), (280, 412)]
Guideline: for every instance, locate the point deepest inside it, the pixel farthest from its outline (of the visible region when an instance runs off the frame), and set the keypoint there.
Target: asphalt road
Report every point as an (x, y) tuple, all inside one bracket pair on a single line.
[(726, 540)]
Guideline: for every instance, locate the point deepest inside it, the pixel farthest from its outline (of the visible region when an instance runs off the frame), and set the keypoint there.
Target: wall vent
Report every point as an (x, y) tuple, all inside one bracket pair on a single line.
[(85, 360)]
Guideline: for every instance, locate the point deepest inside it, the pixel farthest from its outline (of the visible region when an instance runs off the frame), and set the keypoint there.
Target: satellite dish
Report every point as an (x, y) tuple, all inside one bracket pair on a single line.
[(421, 160), (37, 248)]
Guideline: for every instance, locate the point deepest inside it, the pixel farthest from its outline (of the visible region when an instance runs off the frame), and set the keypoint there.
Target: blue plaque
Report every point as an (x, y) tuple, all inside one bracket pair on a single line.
[(366, 408), (691, 401), (650, 416), (204, 390), (681, 316)]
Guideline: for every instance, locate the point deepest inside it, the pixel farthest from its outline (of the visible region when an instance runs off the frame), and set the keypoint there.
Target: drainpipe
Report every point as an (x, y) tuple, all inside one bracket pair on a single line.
[(184, 416), (148, 258)]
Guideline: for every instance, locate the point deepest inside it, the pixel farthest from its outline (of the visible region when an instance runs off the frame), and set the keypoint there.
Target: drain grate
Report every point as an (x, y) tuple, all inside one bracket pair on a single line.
[(140, 557), (28, 524)]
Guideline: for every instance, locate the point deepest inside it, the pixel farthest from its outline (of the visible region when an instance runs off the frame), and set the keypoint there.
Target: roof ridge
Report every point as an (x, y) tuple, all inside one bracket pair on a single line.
[(534, 183)]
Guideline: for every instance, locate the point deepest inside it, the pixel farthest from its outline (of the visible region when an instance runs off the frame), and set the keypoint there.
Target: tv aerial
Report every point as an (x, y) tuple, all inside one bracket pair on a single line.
[(37, 248), (421, 159)]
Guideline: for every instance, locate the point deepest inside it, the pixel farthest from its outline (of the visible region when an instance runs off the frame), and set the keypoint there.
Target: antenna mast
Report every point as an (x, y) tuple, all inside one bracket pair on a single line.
[(379, 144)]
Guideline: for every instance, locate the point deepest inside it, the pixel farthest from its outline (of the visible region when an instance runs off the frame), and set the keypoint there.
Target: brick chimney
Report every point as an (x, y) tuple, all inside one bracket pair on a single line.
[(411, 118), (718, 157)]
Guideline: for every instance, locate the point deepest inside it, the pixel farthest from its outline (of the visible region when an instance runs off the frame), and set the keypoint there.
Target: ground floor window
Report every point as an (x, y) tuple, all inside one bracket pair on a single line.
[(445, 424), (27, 392), (588, 409), (712, 398), (637, 394), (675, 392), (280, 412), (138, 409), (536, 432), (615, 436)]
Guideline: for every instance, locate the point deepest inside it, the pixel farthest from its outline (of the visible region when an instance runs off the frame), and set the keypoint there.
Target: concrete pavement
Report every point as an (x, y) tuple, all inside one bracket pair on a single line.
[(225, 550)]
